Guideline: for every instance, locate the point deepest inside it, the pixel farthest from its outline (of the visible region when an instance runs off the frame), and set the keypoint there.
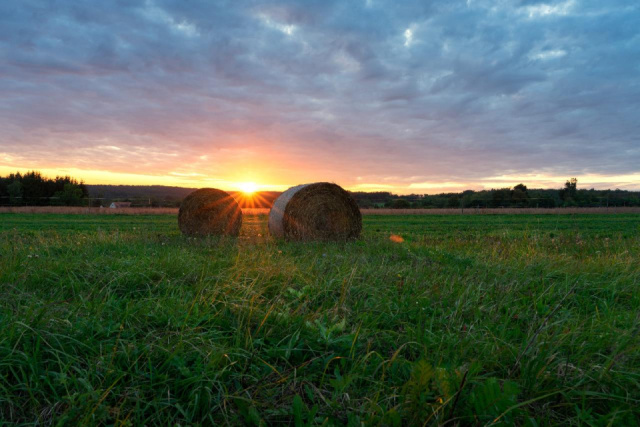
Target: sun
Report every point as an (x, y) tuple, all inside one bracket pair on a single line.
[(248, 187)]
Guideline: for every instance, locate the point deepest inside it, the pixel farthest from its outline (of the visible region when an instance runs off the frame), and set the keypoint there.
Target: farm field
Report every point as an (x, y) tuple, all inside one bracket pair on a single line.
[(427, 319), (265, 211)]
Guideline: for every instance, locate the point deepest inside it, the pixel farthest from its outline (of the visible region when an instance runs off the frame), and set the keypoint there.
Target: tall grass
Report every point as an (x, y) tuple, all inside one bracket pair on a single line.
[(526, 320)]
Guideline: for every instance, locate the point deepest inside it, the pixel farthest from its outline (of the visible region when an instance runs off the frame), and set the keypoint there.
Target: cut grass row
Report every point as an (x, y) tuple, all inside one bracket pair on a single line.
[(65, 210)]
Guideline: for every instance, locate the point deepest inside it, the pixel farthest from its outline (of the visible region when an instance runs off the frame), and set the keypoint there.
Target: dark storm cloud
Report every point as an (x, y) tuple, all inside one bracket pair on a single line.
[(412, 90)]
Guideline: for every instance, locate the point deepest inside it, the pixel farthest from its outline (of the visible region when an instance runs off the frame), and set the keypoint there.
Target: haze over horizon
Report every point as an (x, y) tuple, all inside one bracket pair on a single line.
[(411, 97)]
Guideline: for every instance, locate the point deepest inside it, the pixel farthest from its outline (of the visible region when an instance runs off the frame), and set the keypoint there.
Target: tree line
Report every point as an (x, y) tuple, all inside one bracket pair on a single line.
[(33, 189), (509, 197)]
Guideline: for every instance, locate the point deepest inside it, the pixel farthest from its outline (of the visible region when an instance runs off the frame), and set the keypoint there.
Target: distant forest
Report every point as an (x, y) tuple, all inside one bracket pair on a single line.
[(517, 197), (33, 189)]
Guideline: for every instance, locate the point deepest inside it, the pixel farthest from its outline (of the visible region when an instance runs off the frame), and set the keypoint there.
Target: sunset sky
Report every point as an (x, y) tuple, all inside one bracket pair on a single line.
[(401, 96)]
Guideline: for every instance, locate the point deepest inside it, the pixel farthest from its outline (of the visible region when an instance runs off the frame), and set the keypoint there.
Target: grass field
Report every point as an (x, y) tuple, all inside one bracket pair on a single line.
[(468, 320), (265, 211)]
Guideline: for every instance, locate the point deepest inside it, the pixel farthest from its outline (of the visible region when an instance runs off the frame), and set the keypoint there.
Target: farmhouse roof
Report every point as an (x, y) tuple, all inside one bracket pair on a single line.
[(120, 205)]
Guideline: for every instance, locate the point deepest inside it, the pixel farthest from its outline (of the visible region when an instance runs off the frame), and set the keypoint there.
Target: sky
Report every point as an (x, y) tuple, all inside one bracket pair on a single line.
[(401, 96)]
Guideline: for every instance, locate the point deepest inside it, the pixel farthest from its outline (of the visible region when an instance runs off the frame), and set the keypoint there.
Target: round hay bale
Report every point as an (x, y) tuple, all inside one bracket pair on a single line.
[(319, 211), (209, 211)]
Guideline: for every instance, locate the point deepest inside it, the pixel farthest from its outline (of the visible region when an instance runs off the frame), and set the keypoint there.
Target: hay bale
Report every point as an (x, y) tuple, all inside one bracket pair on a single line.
[(319, 211), (209, 211)]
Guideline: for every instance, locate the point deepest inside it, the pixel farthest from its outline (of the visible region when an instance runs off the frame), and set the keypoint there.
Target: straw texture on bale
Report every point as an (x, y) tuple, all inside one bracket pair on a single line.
[(209, 211), (319, 211)]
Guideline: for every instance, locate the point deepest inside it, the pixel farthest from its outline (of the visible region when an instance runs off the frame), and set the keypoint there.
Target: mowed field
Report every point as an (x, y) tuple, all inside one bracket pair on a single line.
[(385, 211), (435, 319)]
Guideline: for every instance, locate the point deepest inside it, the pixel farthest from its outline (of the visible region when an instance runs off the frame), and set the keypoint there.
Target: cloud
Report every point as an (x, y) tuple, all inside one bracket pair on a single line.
[(450, 92)]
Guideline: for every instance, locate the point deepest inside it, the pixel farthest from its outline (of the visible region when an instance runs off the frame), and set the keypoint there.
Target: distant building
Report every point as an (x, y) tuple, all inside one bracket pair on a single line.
[(115, 205)]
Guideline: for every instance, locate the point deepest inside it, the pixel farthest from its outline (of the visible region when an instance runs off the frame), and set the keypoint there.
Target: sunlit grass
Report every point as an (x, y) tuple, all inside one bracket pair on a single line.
[(462, 319)]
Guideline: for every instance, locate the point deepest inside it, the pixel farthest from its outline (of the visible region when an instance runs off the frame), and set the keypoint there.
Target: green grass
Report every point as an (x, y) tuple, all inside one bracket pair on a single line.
[(526, 320)]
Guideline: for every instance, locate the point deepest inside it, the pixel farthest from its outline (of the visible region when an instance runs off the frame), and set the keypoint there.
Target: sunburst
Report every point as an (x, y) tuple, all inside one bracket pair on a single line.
[(248, 187)]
